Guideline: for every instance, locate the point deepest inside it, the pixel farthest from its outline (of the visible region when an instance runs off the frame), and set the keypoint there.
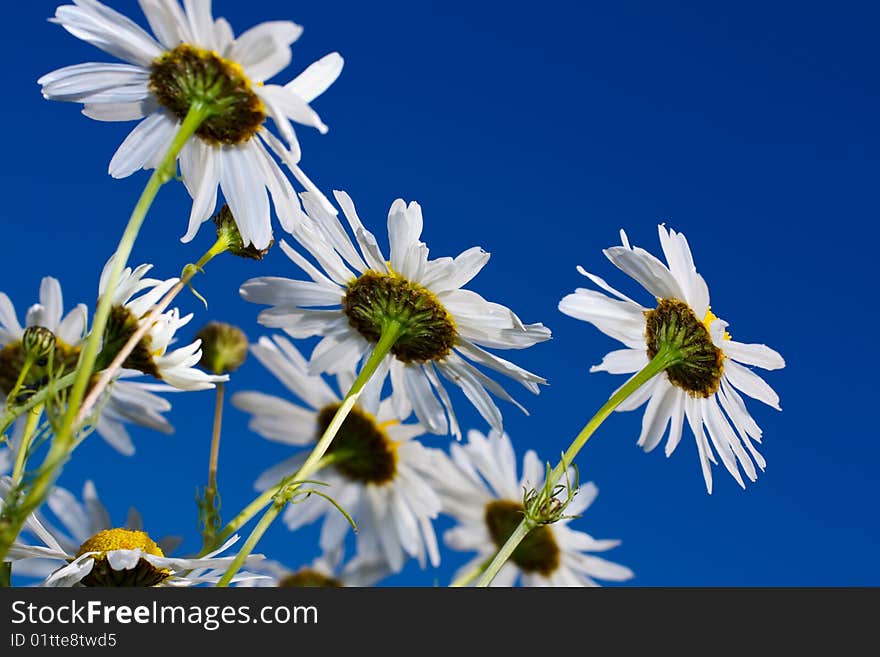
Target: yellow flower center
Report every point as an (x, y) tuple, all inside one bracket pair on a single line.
[(120, 539), (709, 318), (108, 540)]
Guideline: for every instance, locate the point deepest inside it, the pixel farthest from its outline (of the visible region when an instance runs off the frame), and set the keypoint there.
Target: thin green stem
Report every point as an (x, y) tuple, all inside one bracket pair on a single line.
[(391, 332), (30, 425), (665, 357), (10, 415), (13, 516), (5, 574), (215, 445), (470, 575), (251, 542), (25, 368), (163, 173)]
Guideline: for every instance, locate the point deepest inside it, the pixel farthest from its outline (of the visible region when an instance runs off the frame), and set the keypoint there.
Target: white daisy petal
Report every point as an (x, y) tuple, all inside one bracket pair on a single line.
[(108, 30), (759, 355), (139, 150), (264, 50), (317, 77), (246, 195), (750, 383)]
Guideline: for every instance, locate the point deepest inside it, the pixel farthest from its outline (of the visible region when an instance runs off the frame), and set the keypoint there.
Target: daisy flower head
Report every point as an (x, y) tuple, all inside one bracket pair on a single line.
[(377, 472), (133, 298), (73, 522), (109, 557), (195, 61), (442, 329), (705, 383), (481, 491), (126, 400)]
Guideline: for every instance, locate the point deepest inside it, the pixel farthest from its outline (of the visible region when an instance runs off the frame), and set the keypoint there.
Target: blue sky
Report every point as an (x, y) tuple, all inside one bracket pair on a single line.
[(538, 132)]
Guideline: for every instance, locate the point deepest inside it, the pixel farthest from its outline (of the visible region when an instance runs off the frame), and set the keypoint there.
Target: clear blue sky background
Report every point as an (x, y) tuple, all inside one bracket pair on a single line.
[(537, 131)]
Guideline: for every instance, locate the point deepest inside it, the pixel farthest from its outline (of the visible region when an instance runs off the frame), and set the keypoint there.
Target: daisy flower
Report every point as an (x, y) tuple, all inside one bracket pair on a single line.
[(77, 521), (705, 386), (195, 59), (127, 401), (110, 557), (151, 355), (480, 490), (444, 328), (327, 570), (378, 473)]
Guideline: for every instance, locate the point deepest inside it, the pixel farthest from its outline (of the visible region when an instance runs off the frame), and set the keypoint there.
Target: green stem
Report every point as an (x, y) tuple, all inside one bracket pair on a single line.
[(208, 512), (144, 325), (665, 357), (163, 173), (471, 575), (390, 333), (12, 414), (5, 574), (215, 445), (25, 368), (30, 425), (251, 542), (11, 520)]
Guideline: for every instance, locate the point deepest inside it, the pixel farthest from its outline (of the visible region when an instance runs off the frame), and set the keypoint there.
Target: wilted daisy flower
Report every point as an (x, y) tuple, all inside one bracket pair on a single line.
[(443, 327), (378, 472), (196, 60), (126, 401), (703, 387), (150, 356), (480, 489), (328, 570), (112, 557)]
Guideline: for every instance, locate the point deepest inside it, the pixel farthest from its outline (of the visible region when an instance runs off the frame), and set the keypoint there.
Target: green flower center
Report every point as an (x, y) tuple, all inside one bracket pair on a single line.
[(306, 577), (427, 329), (143, 574), (538, 551), (673, 323), (362, 449), (188, 75), (121, 325)]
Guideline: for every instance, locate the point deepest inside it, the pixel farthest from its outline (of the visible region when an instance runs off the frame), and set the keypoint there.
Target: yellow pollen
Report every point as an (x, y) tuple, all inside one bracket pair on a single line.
[(707, 322), (120, 539)]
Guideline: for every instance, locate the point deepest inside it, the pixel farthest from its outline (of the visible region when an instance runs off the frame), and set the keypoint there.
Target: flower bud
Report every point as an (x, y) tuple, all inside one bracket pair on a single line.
[(228, 232), (224, 347), (38, 342)]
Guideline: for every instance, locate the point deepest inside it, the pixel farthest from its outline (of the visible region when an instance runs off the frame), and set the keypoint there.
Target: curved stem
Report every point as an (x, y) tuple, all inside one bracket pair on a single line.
[(13, 516), (664, 358), (390, 333), (33, 419)]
